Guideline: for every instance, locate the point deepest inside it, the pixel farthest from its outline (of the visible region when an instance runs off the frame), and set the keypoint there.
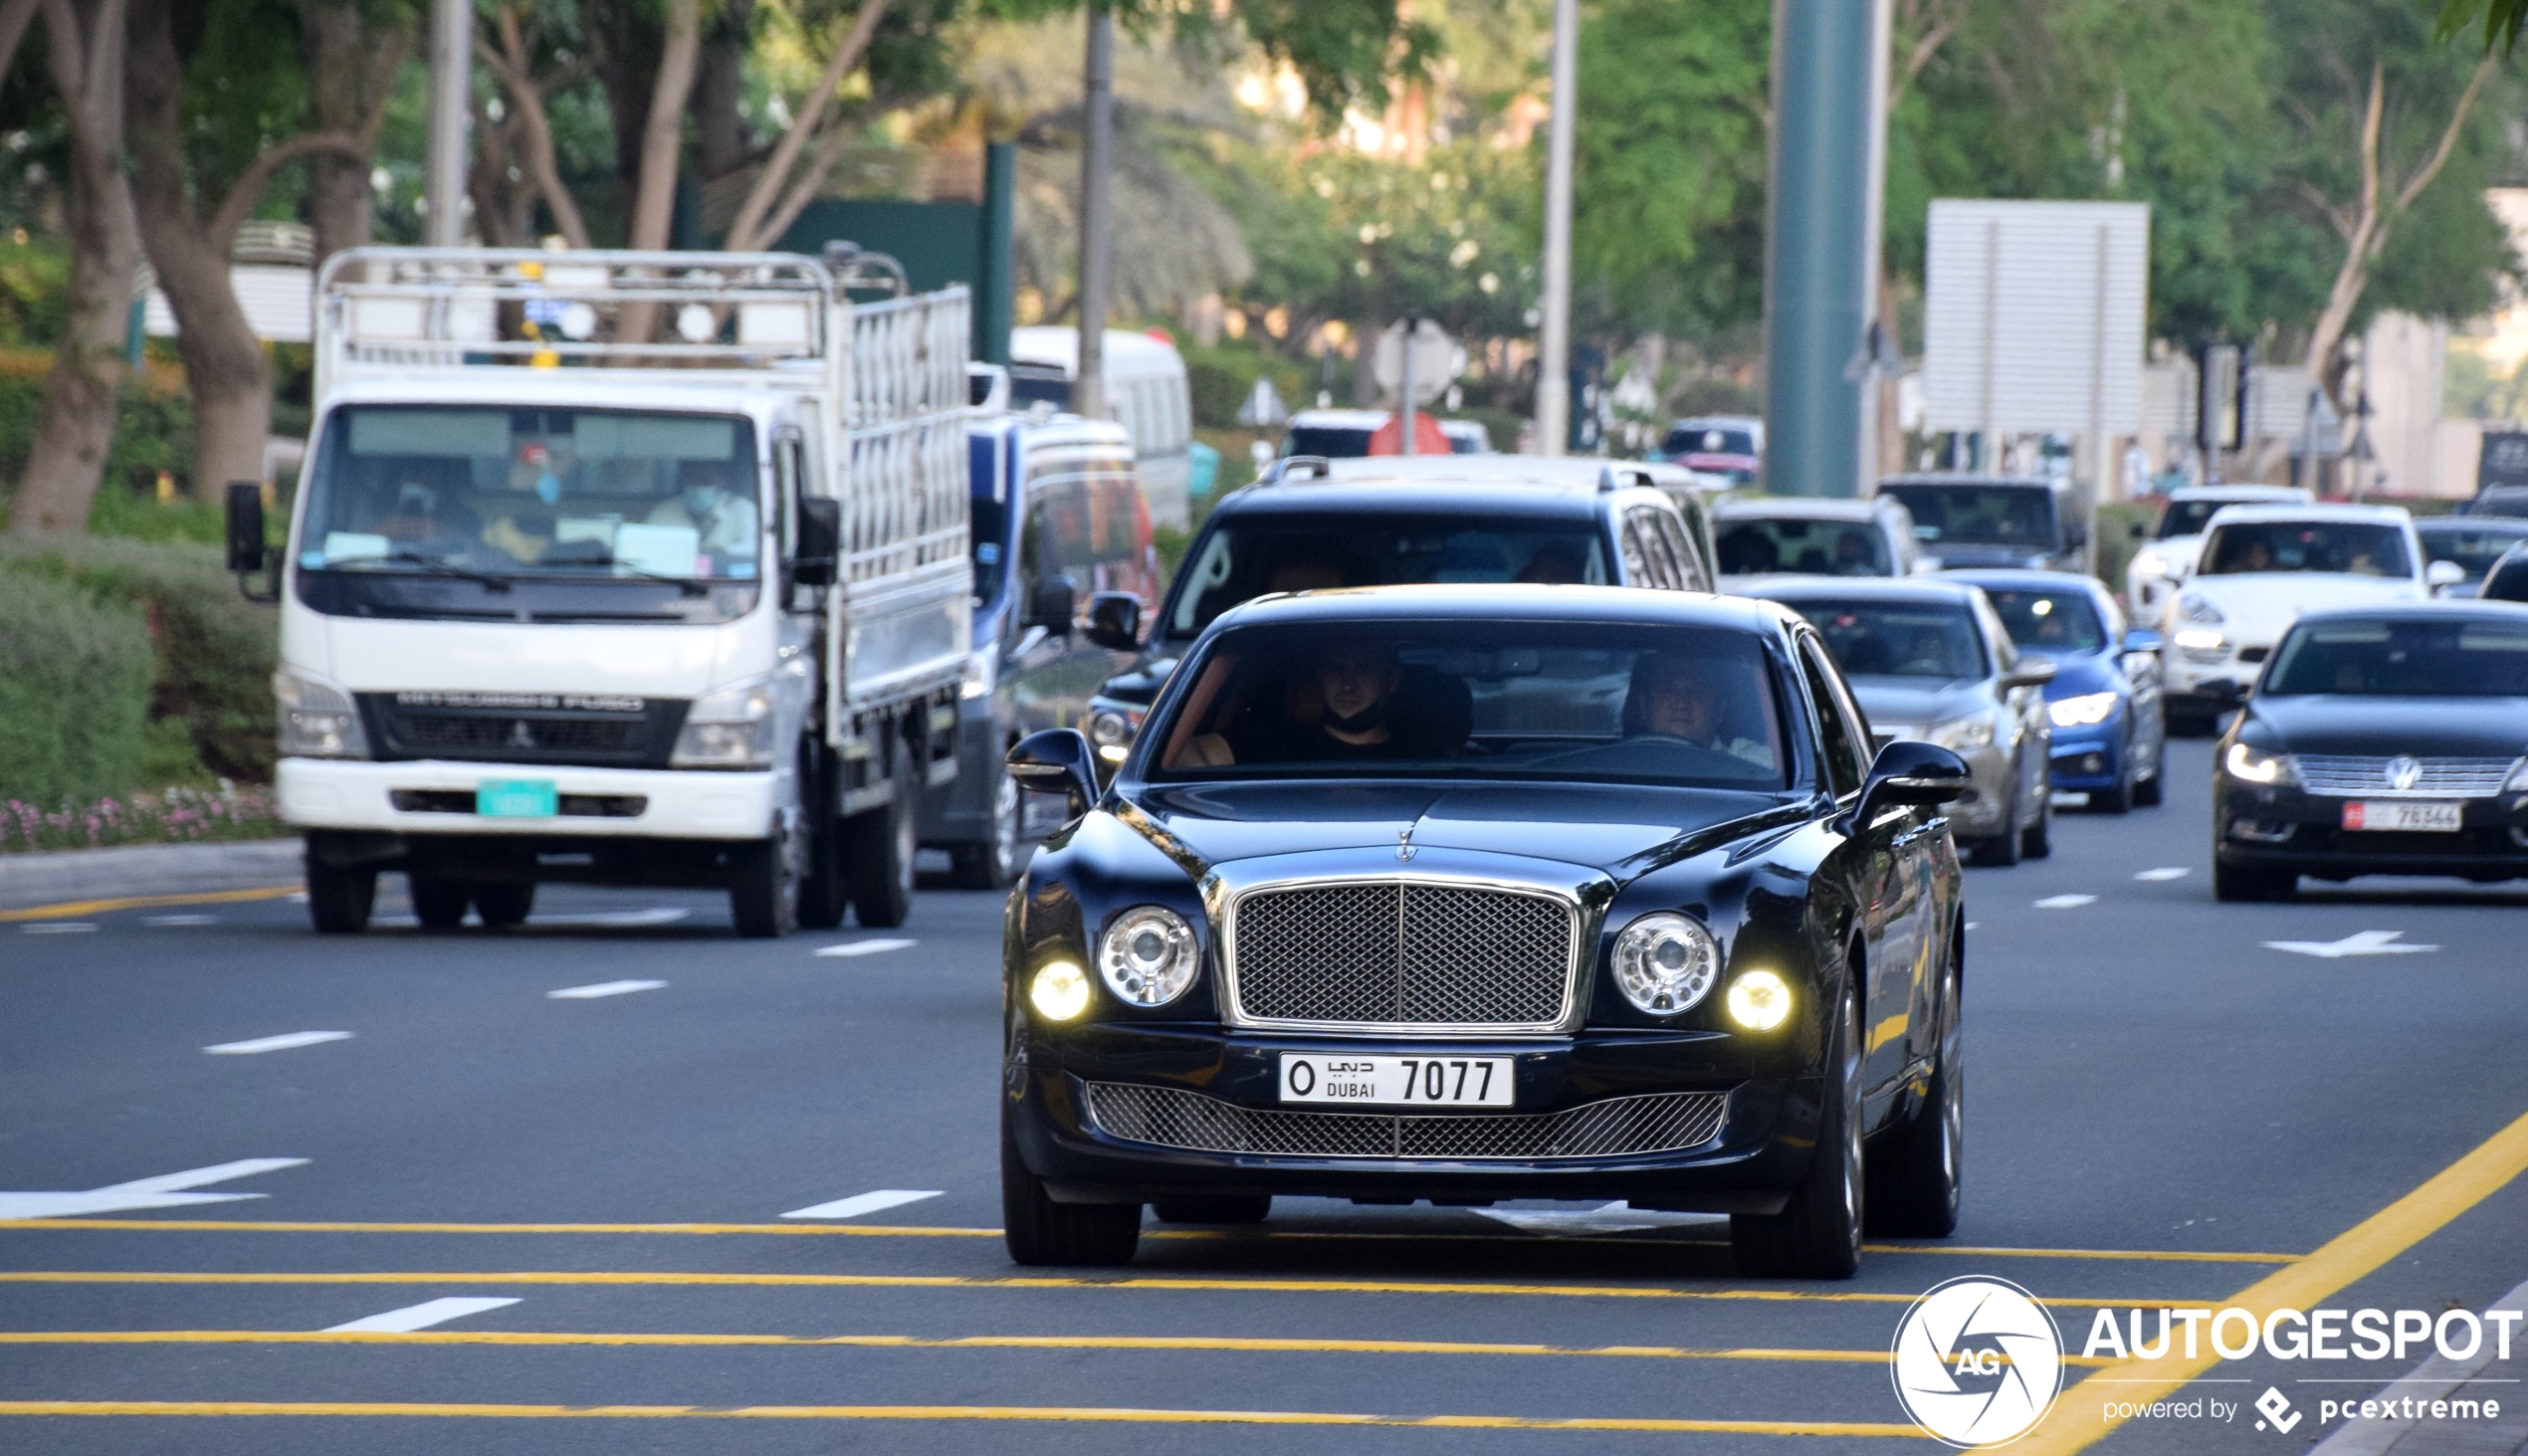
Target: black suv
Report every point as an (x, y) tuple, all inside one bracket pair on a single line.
[(1312, 525)]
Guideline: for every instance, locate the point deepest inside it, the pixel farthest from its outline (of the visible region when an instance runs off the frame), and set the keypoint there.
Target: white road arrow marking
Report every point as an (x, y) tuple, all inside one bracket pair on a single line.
[(2165, 872), (860, 1203), (2360, 943), (282, 1043), (163, 1191), (604, 988), (2066, 902), (1610, 1218), (867, 948), (419, 1316)]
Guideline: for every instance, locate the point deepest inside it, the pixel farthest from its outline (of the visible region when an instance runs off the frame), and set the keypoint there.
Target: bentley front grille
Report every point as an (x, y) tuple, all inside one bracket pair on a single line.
[(1619, 1127), (2449, 778), (1403, 953)]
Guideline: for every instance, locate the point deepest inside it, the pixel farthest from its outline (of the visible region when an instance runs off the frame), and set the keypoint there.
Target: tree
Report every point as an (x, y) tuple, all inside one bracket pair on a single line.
[(352, 50), (75, 424), (524, 128)]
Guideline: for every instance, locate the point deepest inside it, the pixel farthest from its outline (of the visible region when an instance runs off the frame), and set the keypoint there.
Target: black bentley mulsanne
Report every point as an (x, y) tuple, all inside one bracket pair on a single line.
[(1471, 894)]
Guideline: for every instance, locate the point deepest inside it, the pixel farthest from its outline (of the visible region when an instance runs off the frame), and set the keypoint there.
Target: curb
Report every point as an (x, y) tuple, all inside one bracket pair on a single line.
[(52, 876)]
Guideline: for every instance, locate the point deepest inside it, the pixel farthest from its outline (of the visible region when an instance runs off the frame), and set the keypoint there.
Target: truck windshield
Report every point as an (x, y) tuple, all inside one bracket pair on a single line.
[(1980, 515), (1240, 561), (534, 494)]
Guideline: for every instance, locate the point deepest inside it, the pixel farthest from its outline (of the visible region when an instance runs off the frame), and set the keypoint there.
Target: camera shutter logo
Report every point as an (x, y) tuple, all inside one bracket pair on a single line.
[(1977, 1362)]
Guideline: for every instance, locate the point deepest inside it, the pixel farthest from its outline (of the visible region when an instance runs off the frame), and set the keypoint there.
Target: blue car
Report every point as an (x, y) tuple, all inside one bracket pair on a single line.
[(2110, 736)]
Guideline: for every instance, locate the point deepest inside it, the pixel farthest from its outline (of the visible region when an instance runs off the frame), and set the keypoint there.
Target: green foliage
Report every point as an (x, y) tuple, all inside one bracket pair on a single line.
[(152, 434), (214, 651), (2496, 21), (74, 691), (1222, 375), (34, 292)]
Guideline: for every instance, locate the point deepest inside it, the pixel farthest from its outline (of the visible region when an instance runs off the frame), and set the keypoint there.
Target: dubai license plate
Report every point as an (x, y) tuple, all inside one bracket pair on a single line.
[(516, 799), (1434, 1081), (2438, 818)]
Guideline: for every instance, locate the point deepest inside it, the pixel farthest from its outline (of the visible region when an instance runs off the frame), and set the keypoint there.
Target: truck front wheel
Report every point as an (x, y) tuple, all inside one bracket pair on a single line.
[(764, 887), (339, 896)]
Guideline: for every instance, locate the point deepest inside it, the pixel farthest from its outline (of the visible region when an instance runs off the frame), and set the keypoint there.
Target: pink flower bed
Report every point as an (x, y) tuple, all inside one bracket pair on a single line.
[(176, 817)]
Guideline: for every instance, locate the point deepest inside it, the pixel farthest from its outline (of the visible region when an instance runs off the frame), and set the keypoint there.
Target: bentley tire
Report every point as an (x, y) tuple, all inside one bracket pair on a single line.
[(1818, 1235), (438, 903), (1916, 1171), (1038, 1230), (1219, 1208)]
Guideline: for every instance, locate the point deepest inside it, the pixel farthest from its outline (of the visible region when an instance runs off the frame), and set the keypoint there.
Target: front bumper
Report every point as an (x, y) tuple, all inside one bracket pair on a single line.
[(2211, 680), (436, 798), (2090, 757), (2283, 828), (1755, 1156)]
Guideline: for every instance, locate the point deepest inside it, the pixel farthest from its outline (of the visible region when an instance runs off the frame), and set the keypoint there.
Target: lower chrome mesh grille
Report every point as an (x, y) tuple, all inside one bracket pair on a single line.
[(1166, 1117)]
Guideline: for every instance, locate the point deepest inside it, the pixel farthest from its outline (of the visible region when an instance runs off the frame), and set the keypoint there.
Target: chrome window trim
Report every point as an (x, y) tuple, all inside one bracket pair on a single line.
[(1224, 897)]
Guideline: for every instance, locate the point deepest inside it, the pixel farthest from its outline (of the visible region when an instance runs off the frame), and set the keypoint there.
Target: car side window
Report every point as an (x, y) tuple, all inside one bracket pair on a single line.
[(1841, 732)]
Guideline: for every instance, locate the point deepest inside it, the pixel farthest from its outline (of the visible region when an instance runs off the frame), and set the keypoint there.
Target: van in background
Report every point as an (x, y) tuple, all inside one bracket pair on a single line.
[(1145, 392)]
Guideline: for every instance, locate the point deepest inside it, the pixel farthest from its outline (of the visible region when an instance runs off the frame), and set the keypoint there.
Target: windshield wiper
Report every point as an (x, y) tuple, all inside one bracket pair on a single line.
[(437, 567), (683, 584)]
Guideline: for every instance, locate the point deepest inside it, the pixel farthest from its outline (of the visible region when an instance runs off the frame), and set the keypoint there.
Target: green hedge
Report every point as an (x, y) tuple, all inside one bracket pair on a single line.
[(214, 651), (152, 434), (75, 675)]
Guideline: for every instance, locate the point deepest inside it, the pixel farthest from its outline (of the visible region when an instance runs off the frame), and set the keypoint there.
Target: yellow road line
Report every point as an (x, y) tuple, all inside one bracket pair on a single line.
[(2350, 1256), (880, 1230), (957, 1281), (1110, 1414), (1244, 1344), (72, 909)]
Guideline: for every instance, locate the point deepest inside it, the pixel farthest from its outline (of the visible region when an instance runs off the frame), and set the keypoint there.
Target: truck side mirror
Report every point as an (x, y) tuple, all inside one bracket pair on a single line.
[(247, 553), (1052, 605), (820, 528), (1115, 621)]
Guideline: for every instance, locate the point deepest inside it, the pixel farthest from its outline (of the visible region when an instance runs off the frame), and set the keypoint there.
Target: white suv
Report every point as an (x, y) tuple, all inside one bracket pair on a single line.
[(2259, 568), (2159, 568)]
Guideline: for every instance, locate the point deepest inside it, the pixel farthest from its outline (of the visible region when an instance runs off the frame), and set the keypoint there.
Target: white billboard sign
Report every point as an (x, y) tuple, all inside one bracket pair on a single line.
[(2035, 315)]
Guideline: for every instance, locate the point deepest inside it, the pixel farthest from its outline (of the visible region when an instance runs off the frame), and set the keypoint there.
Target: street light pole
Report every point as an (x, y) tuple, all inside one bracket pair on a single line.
[(1097, 168), (1554, 310), (451, 108)]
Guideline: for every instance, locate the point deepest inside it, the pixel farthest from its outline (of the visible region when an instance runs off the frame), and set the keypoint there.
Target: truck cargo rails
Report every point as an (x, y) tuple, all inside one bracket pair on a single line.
[(623, 568)]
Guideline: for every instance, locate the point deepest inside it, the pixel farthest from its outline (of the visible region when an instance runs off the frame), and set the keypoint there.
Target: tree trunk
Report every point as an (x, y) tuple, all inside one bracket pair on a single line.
[(662, 139), (624, 44), (721, 140), (351, 61), (74, 425), (224, 363)]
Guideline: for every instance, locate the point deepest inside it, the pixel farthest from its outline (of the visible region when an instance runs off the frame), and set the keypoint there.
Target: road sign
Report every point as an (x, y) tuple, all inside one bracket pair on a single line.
[(1437, 359), (2033, 317)]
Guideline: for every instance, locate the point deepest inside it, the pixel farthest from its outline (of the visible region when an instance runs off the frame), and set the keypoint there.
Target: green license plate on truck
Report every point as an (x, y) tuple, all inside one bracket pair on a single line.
[(516, 799)]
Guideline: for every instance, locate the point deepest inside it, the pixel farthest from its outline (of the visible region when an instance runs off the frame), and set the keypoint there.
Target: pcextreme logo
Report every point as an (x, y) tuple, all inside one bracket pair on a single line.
[(1977, 1362)]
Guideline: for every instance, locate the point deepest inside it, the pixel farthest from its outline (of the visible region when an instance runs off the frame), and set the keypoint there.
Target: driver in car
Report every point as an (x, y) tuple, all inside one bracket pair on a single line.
[(1679, 697)]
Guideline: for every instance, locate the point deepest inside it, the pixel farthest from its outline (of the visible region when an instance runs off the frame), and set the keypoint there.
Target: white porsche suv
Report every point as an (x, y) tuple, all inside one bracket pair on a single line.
[(2259, 568)]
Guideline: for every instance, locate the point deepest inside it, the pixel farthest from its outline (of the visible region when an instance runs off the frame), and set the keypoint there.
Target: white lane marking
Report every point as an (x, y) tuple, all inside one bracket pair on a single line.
[(282, 1043), (604, 988), (660, 915), (419, 1316), (2164, 872), (166, 1191), (1611, 1218), (1971, 924), (297, 897), (59, 927), (2066, 902), (2359, 943), (867, 948), (180, 920), (860, 1203)]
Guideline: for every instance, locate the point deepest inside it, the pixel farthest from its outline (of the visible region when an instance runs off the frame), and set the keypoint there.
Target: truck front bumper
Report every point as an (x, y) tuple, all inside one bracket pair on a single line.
[(434, 796)]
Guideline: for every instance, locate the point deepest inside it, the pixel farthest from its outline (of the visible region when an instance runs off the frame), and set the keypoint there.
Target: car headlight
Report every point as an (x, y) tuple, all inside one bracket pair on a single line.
[(317, 719), (982, 672), (1147, 958), (2195, 609), (2147, 562), (1961, 734), (1060, 991), (730, 728), (2199, 639), (2082, 710), (2252, 764), (1759, 1000), (1666, 962), (1111, 730)]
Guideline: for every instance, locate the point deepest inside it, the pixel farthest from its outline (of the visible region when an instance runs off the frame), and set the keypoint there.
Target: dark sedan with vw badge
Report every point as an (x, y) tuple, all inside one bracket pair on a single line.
[(1471, 894), (2378, 740)]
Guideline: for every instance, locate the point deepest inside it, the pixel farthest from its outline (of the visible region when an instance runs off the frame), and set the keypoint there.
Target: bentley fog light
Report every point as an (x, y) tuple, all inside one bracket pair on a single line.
[(730, 728), (1146, 956), (1665, 963), (2252, 764), (1961, 734), (1060, 991), (1759, 1000), (317, 719), (2082, 710)]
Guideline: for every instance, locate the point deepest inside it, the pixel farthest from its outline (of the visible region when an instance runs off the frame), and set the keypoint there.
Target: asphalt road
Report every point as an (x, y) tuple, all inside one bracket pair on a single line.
[(2162, 1109)]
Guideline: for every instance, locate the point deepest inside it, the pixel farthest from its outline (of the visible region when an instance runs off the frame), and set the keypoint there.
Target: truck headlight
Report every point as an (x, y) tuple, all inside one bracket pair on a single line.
[(1961, 734), (317, 719), (1666, 962), (730, 728), (2082, 710), (2250, 764), (1759, 1000), (1146, 956)]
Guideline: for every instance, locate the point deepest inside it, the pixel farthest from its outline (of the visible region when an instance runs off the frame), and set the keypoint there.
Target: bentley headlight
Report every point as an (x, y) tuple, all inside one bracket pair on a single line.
[(2195, 609), (730, 728), (1060, 991), (1961, 734), (1146, 956), (2080, 712), (1759, 1000), (2250, 764), (1665, 963), (317, 719)]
